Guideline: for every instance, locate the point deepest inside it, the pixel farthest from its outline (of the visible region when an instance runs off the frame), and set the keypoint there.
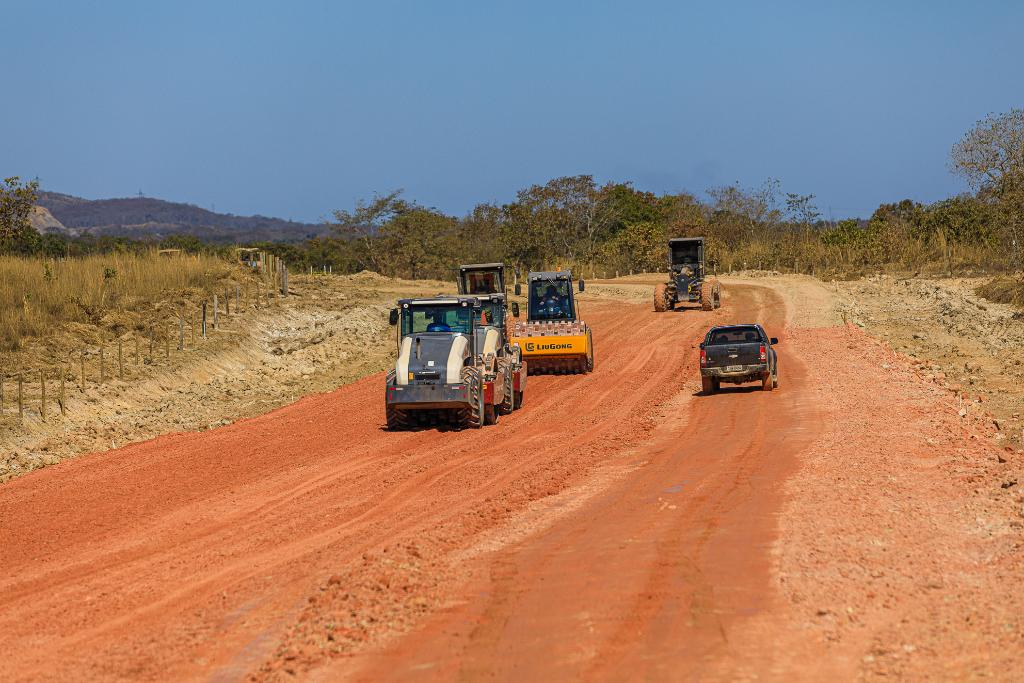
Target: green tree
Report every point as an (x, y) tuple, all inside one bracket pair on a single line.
[(363, 225), (17, 200), (420, 242)]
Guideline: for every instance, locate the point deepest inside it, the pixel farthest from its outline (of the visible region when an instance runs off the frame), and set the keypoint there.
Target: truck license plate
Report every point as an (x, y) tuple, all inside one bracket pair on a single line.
[(733, 368)]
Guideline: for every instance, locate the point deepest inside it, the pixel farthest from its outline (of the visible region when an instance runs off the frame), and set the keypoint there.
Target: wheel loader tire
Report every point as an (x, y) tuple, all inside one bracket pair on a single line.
[(767, 382), (661, 298), (473, 417), (517, 397), (397, 419), (707, 386), (707, 295), (491, 414)]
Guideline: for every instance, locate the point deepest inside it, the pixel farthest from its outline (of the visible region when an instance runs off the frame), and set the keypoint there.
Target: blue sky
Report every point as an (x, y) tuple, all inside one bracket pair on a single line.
[(293, 109)]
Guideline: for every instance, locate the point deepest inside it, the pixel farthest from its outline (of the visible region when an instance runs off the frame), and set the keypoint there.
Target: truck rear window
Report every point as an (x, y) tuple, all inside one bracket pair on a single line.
[(734, 335)]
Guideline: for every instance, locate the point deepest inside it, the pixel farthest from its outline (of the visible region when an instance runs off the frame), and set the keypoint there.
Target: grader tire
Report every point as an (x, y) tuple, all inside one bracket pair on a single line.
[(707, 295), (661, 298)]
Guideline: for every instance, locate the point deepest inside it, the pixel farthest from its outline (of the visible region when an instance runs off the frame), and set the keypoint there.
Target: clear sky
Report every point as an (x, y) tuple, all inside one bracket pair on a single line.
[(292, 109)]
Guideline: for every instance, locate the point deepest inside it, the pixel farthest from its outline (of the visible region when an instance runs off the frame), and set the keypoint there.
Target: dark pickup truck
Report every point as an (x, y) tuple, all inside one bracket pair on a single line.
[(737, 354)]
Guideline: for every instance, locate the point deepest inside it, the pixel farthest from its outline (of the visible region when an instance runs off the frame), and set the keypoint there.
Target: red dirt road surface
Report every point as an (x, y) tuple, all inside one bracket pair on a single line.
[(856, 522)]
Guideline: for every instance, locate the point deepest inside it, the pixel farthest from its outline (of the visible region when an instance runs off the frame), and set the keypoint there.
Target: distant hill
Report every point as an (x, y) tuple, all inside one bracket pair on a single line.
[(144, 218)]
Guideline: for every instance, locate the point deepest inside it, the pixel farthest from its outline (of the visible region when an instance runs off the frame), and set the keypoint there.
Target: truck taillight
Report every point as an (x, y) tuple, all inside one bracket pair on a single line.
[(764, 354), (703, 357)]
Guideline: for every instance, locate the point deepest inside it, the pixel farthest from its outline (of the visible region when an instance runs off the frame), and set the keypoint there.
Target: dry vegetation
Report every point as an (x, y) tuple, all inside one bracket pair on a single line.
[(39, 296), (1005, 290)]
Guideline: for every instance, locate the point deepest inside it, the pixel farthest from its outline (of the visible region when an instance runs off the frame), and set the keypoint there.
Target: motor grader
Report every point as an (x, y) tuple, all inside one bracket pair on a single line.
[(689, 281), (450, 370), (486, 281), (553, 338)]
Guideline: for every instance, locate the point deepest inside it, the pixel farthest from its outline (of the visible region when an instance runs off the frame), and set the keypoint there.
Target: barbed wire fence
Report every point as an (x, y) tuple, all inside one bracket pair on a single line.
[(43, 390)]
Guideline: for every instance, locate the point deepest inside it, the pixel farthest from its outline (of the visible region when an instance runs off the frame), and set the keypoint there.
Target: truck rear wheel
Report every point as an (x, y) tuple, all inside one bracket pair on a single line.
[(707, 386), (767, 381), (661, 298)]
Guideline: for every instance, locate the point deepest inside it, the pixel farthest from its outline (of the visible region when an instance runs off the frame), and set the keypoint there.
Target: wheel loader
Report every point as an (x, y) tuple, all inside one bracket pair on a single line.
[(553, 339), (689, 281), (486, 281), (449, 370)]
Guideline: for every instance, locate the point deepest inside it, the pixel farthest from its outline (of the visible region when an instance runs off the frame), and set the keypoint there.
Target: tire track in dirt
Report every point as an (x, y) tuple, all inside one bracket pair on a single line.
[(193, 552), (672, 554)]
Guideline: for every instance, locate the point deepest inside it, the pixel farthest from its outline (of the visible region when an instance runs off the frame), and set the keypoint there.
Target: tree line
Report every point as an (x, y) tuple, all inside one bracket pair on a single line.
[(575, 221)]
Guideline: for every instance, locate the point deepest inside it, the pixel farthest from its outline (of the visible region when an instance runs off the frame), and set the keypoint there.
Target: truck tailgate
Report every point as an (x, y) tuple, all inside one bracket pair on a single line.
[(726, 355)]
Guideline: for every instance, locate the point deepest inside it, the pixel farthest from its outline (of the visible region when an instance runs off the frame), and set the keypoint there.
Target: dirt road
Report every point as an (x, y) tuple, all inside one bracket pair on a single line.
[(603, 532)]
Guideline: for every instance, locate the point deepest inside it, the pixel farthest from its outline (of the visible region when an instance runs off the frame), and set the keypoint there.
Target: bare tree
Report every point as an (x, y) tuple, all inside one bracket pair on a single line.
[(991, 158), (991, 150)]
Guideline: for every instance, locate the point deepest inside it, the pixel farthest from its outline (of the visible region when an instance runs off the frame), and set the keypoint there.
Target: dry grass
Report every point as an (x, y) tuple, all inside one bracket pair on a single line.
[(1007, 289), (38, 296)]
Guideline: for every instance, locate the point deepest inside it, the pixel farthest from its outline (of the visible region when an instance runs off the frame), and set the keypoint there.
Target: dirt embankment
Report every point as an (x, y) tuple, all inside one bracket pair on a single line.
[(329, 331), (956, 339)]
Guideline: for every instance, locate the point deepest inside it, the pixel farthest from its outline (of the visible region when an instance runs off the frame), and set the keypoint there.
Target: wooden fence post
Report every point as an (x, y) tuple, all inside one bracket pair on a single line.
[(227, 302), (236, 298), (42, 394), (204, 320)]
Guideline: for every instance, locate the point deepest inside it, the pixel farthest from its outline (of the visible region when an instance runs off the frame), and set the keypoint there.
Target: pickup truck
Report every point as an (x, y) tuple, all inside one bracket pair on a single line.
[(737, 354)]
